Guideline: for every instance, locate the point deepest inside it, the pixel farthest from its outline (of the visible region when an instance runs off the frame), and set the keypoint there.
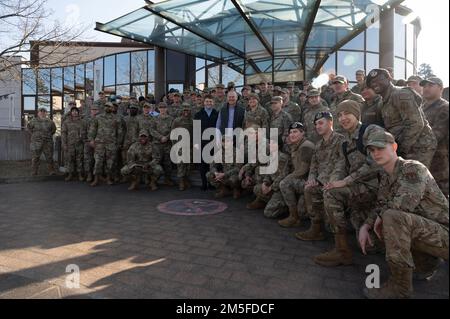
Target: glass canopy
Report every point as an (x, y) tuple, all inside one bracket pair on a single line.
[(281, 40)]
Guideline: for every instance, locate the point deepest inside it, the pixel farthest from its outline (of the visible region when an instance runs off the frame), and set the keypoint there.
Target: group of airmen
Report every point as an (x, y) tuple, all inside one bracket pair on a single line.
[(374, 157)]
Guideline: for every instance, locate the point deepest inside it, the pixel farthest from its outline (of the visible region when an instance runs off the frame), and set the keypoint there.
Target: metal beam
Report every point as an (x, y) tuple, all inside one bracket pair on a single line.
[(308, 29)]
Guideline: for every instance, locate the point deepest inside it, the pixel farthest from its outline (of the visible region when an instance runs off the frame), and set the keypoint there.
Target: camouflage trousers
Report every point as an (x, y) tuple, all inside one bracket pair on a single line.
[(423, 153), (439, 170), (292, 190), (37, 148), (183, 170), (358, 199), (74, 158), (88, 158), (153, 169), (230, 182), (314, 200), (275, 203), (105, 153), (412, 240), (164, 152)]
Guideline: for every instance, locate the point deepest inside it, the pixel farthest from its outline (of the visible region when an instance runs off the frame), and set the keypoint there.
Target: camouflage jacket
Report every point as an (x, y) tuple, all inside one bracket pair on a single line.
[(106, 128), (371, 112), (284, 168), (282, 121), (219, 102), (72, 132), (145, 122), (301, 155), (139, 154), (161, 127), (259, 116), (403, 117), (325, 156), (411, 189), (308, 120), (41, 129), (294, 111), (265, 98), (229, 169), (132, 130), (437, 116)]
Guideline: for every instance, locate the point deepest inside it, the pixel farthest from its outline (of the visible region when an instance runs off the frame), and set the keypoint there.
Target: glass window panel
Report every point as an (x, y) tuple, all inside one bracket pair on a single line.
[(69, 80), (57, 103), (230, 75), (349, 63), (372, 62), (57, 81), (373, 38), (399, 69), (151, 65), (43, 81), (330, 65), (110, 70), (175, 66), (139, 90), (200, 78), (410, 42), (199, 64), (179, 87), (29, 103), (28, 81), (151, 88), (89, 85), (123, 90), (98, 77), (409, 69), (399, 36), (356, 43), (109, 90), (123, 68), (57, 119), (44, 101), (139, 67), (79, 77), (213, 76)]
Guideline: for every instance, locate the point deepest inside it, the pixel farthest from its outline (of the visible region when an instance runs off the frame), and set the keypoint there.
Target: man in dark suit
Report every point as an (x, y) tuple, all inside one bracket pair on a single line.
[(208, 117), (231, 115)]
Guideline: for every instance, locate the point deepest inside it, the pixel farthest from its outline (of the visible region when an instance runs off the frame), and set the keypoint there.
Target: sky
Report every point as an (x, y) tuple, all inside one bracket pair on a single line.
[(433, 41)]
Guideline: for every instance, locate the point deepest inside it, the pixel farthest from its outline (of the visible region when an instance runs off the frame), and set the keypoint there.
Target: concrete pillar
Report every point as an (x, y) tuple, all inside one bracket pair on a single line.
[(387, 39), (160, 73)]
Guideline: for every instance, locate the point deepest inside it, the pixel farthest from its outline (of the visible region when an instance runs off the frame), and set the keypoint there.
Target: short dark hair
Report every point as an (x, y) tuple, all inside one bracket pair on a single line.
[(208, 96)]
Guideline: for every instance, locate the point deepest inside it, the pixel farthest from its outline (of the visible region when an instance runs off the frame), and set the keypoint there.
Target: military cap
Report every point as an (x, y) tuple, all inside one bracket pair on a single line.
[(277, 88), (323, 115), (147, 105), (220, 86), (42, 109), (361, 72), (349, 106), (133, 106), (101, 92), (313, 92), (303, 93), (186, 106), (375, 73), (276, 99), (253, 96), (231, 85), (247, 87), (186, 91), (143, 133), (339, 79), (297, 125), (414, 78), (177, 94), (380, 138), (433, 80), (285, 91), (290, 84), (162, 105)]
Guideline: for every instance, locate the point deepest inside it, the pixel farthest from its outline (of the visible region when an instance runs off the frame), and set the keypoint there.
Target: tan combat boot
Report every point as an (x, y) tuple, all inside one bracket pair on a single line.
[(109, 180), (51, 170), (293, 220), (314, 233), (222, 192), (168, 181), (89, 177), (134, 183), (340, 255), (95, 181), (81, 177), (256, 204), (153, 185), (181, 184), (399, 285), (34, 169), (69, 177)]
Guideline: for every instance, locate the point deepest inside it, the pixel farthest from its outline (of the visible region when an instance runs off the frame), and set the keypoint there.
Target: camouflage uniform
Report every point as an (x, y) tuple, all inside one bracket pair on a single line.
[(337, 99), (231, 170), (174, 110), (264, 99), (88, 151), (161, 128), (403, 117), (131, 135), (371, 112), (183, 169), (275, 203), (308, 120), (145, 122), (259, 117), (357, 89), (42, 131), (106, 131), (101, 105), (326, 154), (282, 122), (142, 160), (360, 193), (437, 115), (219, 102), (292, 186), (72, 141), (294, 111), (414, 213)]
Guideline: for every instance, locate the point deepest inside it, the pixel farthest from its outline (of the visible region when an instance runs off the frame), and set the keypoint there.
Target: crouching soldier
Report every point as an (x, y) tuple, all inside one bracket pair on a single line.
[(142, 159), (225, 176), (411, 216)]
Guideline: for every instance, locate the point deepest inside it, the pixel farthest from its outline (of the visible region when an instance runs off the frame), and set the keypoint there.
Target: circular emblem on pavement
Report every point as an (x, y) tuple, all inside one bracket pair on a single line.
[(192, 207)]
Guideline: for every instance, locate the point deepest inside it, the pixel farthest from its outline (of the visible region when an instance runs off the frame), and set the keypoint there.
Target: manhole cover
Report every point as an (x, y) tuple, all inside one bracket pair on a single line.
[(192, 207)]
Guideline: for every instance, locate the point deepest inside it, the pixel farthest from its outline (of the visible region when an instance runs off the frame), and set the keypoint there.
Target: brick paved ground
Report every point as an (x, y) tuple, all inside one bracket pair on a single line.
[(125, 248)]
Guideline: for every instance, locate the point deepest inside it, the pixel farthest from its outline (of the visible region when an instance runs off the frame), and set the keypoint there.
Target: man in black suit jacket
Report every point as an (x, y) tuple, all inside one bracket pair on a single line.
[(231, 115), (208, 117)]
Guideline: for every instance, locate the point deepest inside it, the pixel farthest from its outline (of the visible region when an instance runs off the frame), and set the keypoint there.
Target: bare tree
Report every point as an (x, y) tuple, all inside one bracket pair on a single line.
[(26, 27)]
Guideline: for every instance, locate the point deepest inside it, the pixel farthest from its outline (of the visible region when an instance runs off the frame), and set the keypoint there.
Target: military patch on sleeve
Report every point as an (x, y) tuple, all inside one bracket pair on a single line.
[(411, 173)]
